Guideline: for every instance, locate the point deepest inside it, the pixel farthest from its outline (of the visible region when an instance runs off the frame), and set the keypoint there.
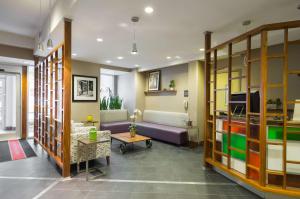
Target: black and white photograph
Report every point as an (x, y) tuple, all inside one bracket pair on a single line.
[(154, 81), (84, 88)]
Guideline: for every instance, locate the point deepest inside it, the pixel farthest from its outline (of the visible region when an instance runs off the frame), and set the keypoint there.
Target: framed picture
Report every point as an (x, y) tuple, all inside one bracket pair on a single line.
[(154, 81), (85, 88)]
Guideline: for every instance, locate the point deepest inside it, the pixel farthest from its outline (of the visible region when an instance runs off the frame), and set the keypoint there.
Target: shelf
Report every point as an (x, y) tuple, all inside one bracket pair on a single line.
[(160, 93)]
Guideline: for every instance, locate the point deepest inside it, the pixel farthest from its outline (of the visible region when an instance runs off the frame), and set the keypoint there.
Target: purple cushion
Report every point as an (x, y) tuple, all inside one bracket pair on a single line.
[(166, 133), (115, 127)]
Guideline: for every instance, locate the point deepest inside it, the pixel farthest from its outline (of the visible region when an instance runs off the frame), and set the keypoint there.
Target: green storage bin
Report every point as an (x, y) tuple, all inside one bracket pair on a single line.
[(276, 133), (237, 141)]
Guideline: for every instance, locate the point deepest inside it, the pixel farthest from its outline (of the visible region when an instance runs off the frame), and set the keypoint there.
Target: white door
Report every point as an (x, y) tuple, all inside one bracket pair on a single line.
[(10, 108)]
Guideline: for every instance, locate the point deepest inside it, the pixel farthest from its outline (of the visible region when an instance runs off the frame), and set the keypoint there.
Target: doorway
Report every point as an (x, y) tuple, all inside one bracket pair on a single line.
[(10, 108)]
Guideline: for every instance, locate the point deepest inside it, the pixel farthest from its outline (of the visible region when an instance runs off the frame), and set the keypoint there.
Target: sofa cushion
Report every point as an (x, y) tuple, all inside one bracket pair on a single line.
[(165, 118), (161, 132), (116, 127), (107, 116)]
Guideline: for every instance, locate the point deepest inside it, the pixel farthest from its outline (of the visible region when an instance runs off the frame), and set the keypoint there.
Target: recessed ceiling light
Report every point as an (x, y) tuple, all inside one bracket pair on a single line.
[(120, 57), (123, 25), (108, 61), (202, 49), (136, 65), (149, 10), (177, 57), (168, 57), (99, 40), (74, 54)]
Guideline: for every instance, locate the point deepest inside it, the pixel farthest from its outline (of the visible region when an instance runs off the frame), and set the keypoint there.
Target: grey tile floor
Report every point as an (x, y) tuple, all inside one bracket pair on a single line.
[(164, 171)]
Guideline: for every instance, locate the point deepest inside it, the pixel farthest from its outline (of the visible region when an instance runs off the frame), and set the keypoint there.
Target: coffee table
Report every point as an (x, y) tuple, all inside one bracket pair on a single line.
[(126, 139)]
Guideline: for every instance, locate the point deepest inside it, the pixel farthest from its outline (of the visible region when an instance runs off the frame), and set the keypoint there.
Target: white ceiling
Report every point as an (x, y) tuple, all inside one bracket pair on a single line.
[(174, 29)]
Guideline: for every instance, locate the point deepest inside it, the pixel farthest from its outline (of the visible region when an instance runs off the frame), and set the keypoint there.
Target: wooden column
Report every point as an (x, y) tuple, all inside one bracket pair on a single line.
[(36, 98), (207, 93), (263, 105), (24, 102), (67, 96)]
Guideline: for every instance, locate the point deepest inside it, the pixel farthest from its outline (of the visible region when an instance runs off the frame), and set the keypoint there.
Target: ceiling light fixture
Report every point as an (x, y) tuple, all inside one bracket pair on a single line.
[(123, 25), (149, 10), (136, 65), (74, 54), (108, 61), (49, 42), (201, 49), (99, 40), (168, 57), (134, 50), (120, 57), (177, 57)]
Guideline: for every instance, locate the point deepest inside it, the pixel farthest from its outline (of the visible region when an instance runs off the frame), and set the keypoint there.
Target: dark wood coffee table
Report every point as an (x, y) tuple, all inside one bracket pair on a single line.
[(126, 139)]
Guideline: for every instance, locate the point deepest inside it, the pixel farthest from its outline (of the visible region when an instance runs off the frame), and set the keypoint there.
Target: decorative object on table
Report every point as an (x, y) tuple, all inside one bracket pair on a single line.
[(172, 85), (154, 81), (93, 134), (132, 129), (134, 117), (89, 118), (85, 88)]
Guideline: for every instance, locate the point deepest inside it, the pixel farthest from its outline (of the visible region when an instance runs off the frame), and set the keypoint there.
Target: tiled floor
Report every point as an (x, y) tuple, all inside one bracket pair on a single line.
[(165, 171)]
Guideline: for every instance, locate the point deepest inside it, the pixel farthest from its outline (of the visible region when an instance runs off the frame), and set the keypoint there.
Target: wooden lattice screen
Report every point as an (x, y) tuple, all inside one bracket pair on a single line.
[(52, 102), (240, 146)]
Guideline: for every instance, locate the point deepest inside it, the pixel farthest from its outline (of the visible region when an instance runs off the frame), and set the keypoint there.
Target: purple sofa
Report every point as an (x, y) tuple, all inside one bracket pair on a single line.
[(164, 126), (164, 133), (115, 127), (116, 121)]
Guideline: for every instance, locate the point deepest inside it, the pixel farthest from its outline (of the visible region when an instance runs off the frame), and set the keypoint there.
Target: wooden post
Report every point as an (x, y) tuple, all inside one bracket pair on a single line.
[(207, 94), (36, 99), (67, 96), (248, 98), (263, 105), (285, 107), (229, 105), (24, 102)]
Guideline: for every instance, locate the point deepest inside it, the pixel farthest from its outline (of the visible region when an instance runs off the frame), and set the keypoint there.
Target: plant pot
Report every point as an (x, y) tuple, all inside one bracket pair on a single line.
[(132, 133)]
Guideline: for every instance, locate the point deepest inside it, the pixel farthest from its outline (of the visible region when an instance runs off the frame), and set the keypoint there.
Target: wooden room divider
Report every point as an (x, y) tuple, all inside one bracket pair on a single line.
[(243, 144), (53, 102)]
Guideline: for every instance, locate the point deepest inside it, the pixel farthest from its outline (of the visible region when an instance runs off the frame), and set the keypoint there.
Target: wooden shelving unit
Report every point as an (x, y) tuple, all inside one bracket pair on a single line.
[(241, 146), (160, 93)]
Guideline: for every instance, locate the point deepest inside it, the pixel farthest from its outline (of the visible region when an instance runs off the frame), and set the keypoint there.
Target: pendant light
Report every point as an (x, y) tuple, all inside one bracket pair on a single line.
[(49, 42), (134, 50), (40, 44)]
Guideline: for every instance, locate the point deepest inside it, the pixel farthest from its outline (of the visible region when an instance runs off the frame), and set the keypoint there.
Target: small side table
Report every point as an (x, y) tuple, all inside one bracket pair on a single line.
[(83, 153), (90, 122), (193, 130)]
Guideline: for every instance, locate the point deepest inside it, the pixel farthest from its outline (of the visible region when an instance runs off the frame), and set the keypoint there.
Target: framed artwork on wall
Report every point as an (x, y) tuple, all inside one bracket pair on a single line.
[(154, 81), (85, 88)]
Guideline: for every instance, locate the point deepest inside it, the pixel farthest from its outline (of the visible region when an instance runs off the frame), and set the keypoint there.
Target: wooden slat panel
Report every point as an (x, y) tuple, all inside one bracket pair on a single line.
[(215, 104), (24, 102), (67, 98)]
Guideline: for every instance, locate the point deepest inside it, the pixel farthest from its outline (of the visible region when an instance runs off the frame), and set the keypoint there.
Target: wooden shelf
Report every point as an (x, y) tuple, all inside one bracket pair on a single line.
[(160, 93)]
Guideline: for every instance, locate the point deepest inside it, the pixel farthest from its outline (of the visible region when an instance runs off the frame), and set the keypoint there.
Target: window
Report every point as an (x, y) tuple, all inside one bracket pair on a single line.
[(107, 85), (30, 107)]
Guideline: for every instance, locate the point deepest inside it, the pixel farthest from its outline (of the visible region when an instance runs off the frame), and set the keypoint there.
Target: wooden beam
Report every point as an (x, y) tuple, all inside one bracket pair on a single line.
[(263, 105), (207, 65), (24, 102), (67, 97)]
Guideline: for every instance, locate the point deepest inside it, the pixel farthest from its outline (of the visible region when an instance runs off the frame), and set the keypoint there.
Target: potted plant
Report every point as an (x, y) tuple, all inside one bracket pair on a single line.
[(172, 85), (132, 129)]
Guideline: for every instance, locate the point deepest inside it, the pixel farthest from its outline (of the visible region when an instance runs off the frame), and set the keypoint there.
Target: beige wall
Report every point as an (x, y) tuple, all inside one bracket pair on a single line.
[(16, 52), (170, 103), (80, 110)]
